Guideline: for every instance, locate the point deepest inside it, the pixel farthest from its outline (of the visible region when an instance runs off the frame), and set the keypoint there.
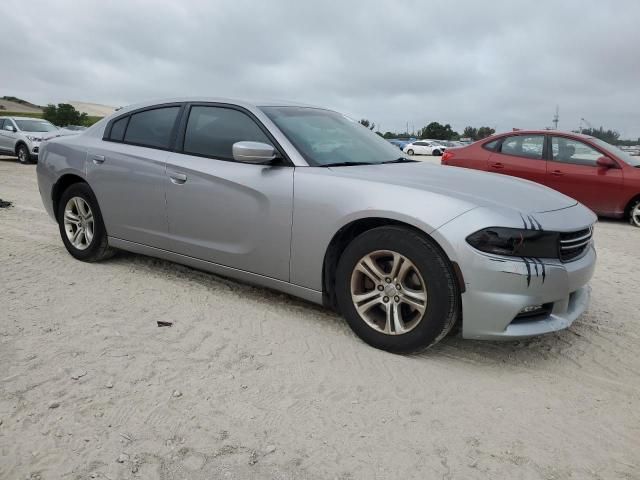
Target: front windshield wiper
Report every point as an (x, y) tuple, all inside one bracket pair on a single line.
[(346, 164), (401, 160)]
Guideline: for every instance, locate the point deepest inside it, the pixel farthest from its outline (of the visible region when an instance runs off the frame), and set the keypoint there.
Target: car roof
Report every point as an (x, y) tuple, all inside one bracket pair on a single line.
[(540, 132), (231, 101), (23, 118)]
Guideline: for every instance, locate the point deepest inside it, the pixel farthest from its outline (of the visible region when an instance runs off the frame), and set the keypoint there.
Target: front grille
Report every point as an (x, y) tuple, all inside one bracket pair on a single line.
[(574, 244)]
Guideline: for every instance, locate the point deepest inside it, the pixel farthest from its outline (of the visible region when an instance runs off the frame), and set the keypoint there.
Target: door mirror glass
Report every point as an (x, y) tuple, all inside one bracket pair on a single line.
[(253, 152), (606, 162)]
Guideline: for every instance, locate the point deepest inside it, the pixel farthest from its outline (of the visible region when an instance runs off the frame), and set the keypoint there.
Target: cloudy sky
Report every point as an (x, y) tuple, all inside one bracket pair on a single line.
[(502, 64)]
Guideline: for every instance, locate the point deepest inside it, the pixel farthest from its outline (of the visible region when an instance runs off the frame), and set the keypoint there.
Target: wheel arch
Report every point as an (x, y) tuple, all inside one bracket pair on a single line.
[(351, 230), (630, 203), (64, 182), (18, 144)]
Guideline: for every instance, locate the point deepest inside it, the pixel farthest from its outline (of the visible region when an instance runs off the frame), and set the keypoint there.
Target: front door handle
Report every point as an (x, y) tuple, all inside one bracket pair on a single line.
[(497, 165), (557, 173), (98, 159), (178, 178)]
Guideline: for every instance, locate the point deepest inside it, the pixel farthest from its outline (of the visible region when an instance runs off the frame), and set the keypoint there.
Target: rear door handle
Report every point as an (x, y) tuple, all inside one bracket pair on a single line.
[(497, 165), (557, 173), (98, 159), (178, 178)]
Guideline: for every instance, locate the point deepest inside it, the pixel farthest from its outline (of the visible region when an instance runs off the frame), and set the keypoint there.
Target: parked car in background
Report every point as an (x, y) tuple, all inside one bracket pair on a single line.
[(424, 147), (597, 174), (305, 201), (400, 143), (75, 128), (21, 136)]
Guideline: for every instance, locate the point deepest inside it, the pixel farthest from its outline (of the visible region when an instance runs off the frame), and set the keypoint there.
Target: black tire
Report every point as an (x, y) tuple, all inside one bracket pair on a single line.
[(443, 305), (436, 153), (24, 157), (410, 152), (634, 220), (98, 249)]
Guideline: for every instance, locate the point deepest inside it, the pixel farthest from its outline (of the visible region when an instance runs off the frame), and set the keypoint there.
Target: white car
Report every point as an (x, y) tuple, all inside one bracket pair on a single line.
[(21, 136), (424, 147)]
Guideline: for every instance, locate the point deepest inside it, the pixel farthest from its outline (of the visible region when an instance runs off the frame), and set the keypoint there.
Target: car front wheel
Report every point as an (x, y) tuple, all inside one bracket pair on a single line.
[(634, 214), (437, 153), (23, 155), (410, 152), (81, 226), (397, 290)]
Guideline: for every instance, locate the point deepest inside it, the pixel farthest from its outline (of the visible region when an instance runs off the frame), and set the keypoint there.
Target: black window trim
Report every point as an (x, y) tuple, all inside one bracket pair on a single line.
[(182, 128), (174, 130)]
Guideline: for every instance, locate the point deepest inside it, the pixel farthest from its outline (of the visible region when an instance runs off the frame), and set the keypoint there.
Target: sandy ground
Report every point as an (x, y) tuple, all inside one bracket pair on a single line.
[(249, 383)]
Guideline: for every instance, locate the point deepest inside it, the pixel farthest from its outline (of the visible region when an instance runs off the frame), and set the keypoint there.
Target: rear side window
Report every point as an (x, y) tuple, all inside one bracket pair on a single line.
[(492, 145), (152, 128), (212, 131), (118, 128), (529, 146)]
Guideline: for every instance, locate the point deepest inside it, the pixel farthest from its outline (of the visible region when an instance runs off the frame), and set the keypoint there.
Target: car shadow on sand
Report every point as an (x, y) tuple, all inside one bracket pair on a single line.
[(530, 352)]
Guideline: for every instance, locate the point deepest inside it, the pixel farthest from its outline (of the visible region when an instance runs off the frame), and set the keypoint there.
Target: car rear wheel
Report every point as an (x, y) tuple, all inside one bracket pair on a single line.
[(410, 152), (81, 226), (23, 155), (634, 214), (397, 290)]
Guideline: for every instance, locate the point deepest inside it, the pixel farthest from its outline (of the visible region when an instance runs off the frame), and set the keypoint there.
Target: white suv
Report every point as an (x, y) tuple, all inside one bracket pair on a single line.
[(21, 136)]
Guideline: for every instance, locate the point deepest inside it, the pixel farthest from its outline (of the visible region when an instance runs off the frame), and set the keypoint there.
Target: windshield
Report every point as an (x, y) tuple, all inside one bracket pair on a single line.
[(327, 138), (35, 126), (621, 154)]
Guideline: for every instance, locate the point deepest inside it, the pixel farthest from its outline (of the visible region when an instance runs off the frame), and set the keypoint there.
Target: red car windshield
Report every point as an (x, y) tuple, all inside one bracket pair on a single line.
[(621, 154)]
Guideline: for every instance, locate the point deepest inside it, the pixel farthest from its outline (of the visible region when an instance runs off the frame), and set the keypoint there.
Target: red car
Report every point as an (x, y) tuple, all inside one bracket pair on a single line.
[(597, 174)]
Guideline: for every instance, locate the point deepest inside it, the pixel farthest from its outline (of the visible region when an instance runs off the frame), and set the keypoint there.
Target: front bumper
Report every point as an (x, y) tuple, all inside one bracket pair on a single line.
[(498, 289)]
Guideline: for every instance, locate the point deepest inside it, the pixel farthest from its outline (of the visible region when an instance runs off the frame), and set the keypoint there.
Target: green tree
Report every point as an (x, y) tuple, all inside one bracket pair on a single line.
[(437, 131), (64, 114), (609, 136), (470, 132), (484, 132), (367, 123)]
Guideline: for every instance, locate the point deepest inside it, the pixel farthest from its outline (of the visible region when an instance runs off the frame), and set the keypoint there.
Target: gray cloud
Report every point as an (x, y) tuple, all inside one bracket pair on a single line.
[(504, 64)]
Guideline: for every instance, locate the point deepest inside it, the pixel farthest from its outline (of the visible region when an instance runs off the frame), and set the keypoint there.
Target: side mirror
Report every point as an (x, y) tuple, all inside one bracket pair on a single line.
[(257, 153), (606, 162), (10, 128)]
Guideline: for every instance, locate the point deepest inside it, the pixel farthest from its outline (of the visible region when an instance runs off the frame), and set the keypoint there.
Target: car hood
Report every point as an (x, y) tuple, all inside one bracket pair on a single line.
[(45, 135), (482, 189)]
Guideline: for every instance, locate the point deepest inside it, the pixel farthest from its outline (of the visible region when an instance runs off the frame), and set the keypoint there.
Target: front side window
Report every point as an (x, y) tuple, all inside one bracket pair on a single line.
[(152, 128), (528, 146), (35, 126), (327, 138), (212, 131), (568, 150)]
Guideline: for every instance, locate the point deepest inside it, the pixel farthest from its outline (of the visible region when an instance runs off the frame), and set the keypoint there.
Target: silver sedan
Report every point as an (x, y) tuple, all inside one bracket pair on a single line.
[(306, 201)]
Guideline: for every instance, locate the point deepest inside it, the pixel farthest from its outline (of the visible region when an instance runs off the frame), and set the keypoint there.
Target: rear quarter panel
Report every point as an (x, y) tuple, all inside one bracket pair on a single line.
[(58, 157), (472, 156)]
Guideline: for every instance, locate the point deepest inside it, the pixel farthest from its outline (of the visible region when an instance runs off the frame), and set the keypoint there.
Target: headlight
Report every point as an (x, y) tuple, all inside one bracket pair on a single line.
[(34, 139), (515, 242)]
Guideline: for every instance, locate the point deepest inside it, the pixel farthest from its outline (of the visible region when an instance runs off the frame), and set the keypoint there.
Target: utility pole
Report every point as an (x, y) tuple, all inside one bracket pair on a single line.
[(556, 118)]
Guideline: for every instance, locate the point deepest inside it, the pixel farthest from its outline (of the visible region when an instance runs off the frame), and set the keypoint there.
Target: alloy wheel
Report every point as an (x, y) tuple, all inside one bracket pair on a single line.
[(78, 223), (22, 155), (388, 292), (635, 215)]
